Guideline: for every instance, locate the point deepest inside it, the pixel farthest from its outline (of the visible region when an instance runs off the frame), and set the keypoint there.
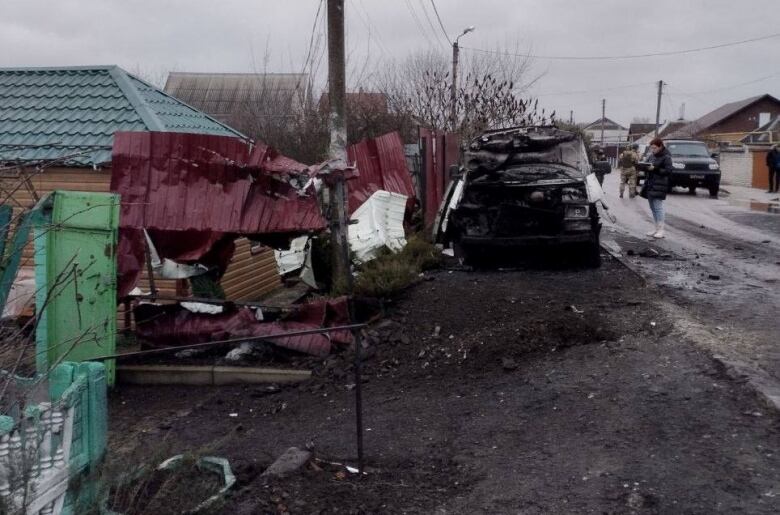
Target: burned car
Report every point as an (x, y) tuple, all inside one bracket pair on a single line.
[(520, 188)]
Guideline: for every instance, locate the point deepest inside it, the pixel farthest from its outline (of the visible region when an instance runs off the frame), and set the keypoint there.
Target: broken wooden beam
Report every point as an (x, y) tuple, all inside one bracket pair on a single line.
[(207, 375)]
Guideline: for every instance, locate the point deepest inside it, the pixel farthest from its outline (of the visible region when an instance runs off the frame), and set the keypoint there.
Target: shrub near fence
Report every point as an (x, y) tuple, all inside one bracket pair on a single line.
[(50, 444)]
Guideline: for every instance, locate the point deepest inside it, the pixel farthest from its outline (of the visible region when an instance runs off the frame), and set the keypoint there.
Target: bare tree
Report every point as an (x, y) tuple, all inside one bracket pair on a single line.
[(489, 93)]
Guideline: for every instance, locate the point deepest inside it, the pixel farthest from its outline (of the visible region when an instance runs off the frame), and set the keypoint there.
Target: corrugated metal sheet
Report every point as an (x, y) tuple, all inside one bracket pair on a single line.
[(47, 113), (380, 223), (190, 182), (228, 96), (174, 325), (381, 164), (439, 152), (247, 278)]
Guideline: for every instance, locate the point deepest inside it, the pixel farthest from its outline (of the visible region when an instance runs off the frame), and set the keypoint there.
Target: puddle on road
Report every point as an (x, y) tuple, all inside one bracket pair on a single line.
[(753, 205)]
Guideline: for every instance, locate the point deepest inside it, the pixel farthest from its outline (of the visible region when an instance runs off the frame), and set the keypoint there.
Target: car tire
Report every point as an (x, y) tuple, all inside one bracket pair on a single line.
[(593, 254), (714, 191), (464, 254)]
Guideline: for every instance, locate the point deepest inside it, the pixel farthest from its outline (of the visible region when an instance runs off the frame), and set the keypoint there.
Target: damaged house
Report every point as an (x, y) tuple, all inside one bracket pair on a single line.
[(57, 129)]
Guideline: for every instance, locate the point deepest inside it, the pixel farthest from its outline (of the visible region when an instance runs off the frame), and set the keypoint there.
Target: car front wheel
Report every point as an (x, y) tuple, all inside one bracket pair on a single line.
[(714, 191), (593, 254)]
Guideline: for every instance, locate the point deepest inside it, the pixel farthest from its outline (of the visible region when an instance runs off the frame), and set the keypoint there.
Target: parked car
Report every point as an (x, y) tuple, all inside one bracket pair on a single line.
[(693, 166), (523, 187)]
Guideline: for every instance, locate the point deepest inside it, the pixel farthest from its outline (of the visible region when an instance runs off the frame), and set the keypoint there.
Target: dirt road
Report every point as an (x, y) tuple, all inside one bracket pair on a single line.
[(525, 391)]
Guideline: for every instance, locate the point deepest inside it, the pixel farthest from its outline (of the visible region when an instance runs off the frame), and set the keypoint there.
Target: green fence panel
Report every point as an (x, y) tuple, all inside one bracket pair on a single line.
[(69, 437), (6, 212), (9, 264), (76, 279)]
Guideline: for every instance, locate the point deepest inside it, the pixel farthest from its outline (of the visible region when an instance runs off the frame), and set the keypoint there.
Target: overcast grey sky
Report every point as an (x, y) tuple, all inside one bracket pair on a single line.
[(154, 36)]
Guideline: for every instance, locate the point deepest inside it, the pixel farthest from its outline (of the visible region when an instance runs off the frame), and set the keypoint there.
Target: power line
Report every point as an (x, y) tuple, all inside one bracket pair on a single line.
[(418, 23), (619, 57), (600, 90), (436, 11), (726, 88), (430, 23), (370, 27), (311, 38)]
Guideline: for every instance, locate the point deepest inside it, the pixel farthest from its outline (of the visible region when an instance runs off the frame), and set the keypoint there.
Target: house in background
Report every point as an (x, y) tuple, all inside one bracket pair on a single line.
[(249, 102), (731, 122), (744, 164), (614, 133), (65, 119), (637, 130), (664, 130)]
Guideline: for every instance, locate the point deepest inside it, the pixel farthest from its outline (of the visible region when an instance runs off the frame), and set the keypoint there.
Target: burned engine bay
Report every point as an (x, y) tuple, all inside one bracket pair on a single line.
[(521, 186)]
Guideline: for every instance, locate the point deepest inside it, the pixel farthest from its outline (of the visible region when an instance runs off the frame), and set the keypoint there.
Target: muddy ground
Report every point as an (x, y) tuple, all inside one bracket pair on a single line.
[(524, 391)]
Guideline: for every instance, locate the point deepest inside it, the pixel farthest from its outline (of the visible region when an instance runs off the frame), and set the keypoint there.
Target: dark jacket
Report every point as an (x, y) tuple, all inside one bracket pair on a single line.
[(772, 158), (658, 178)]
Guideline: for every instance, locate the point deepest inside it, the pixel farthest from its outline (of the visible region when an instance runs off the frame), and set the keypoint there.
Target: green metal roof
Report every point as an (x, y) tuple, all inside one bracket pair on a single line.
[(50, 113)]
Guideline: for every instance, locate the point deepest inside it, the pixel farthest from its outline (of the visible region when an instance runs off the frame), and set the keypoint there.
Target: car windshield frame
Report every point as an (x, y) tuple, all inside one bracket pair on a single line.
[(686, 147), (540, 171)]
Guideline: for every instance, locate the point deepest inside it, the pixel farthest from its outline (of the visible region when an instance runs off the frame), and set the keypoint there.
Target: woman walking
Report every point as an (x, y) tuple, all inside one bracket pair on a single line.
[(657, 184)]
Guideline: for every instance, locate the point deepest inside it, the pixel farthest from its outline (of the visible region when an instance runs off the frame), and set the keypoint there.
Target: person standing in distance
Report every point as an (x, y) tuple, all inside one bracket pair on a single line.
[(657, 184), (773, 164), (628, 160)]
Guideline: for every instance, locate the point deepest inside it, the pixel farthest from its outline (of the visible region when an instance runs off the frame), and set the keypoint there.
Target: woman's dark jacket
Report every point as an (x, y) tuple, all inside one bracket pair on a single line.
[(772, 158), (657, 181)]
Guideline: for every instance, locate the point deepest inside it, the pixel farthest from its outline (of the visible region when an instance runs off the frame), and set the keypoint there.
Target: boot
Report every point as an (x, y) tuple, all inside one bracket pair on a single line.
[(652, 233), (660, 232)]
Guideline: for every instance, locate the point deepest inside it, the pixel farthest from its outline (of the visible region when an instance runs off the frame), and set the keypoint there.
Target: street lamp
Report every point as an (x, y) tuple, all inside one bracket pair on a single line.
[(454, 85)]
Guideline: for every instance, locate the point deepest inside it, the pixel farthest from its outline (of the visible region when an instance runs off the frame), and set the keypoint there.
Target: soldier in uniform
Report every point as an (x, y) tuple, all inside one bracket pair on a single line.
[(597, 154), (627, 162)]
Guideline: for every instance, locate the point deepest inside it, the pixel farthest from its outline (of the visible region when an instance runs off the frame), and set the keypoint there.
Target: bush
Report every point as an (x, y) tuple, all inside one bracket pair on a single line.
[(390, 273)]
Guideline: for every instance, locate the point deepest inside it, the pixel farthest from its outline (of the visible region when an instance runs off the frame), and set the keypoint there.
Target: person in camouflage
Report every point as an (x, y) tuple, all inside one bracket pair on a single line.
[(627, 162)]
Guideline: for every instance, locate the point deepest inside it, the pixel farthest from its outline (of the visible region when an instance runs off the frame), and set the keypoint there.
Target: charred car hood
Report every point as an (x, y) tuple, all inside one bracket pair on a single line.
[(508, 148)]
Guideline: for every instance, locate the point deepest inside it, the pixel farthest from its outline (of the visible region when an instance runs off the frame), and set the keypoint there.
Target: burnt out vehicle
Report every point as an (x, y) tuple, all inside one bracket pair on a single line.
[(522, 188)]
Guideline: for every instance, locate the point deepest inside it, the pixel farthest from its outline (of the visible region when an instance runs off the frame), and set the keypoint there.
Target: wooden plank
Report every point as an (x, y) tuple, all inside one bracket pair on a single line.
[(207, 375)]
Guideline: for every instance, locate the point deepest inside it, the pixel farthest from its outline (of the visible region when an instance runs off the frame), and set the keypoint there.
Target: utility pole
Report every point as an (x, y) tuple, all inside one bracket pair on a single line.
[(338, 190), (338, 139), (658, 107), (603, 110), (454, 85), (571, 117)]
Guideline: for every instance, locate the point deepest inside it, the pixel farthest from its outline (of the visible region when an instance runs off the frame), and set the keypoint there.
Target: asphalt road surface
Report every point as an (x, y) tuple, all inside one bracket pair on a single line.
[(720, 258)]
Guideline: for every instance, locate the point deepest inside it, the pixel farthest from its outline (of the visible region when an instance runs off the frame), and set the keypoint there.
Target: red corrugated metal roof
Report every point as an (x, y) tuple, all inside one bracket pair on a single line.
[(193, 182), (381, 164), (171, 325)]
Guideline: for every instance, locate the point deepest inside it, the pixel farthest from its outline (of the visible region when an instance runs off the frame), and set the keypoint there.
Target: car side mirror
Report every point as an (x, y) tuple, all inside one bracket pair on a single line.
[(454, 171), (715, 155)]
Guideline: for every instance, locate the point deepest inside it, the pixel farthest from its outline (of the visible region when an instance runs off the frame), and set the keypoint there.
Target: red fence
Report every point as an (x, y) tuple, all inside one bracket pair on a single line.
[(439, 151)]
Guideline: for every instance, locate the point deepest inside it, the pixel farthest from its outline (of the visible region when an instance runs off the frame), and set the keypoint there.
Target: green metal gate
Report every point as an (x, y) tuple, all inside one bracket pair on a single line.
[(75, 272)]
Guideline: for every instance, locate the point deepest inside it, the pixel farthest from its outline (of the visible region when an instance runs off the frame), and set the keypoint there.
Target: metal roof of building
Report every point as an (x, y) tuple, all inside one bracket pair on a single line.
[(608, 125), (226, 96), (718, 115), (72, 113)]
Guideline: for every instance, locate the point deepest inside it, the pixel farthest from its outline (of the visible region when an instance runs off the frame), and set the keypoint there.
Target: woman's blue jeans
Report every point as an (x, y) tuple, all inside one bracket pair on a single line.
[(657, 207)]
